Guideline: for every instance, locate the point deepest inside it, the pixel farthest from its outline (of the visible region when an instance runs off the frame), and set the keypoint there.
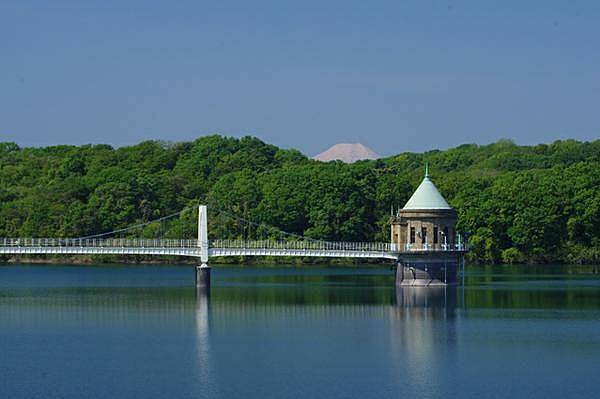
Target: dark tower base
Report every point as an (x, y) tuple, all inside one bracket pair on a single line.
[(427, 271), (203, 276)]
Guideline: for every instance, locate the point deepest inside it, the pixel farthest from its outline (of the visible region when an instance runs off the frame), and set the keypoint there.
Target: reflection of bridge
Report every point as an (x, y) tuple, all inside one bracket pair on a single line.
[(203, 248)]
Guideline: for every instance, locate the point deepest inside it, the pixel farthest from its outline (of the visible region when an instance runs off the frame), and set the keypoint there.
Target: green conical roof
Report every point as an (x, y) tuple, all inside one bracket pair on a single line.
[(427, 196)]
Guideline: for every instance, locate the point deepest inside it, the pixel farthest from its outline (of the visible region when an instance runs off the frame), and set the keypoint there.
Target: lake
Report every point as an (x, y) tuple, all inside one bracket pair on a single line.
[(310, 332)]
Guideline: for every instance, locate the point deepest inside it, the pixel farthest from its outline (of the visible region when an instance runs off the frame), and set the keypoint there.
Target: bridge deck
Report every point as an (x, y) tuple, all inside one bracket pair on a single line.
[(174, 247)]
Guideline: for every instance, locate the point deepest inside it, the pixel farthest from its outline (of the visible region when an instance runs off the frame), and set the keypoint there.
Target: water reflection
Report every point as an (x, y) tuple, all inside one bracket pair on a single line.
[(432, 301), (204, 375), (97, 305), (423, 330), (202, 320), (285, 332)]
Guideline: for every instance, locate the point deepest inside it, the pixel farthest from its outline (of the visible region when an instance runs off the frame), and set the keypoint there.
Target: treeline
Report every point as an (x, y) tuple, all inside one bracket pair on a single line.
[(515, 203)]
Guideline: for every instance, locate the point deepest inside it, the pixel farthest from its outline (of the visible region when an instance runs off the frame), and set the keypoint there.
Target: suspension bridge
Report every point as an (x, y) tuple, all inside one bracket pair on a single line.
[(202, 248)]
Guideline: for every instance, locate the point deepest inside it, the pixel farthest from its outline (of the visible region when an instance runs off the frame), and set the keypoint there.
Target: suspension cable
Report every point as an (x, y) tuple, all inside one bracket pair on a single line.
[(137, 226)]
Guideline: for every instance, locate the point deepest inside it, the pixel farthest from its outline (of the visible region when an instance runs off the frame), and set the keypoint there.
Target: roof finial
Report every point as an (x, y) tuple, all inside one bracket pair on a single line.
[(426, 170)]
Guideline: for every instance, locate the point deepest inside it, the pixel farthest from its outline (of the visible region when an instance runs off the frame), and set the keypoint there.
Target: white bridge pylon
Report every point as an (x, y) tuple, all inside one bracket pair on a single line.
[(202, 247), (203, 234)]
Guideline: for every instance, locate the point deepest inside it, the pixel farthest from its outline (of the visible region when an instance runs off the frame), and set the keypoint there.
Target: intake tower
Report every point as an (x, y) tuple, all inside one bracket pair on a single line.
[(424, 231)]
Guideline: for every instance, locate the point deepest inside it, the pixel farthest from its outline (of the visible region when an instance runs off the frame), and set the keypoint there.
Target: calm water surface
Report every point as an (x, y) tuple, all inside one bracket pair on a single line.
[(145, 332)]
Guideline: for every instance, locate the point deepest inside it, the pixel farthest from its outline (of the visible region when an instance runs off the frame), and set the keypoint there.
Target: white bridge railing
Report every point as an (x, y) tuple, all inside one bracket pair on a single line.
[(98, 242), (221, 244), (304, 245)]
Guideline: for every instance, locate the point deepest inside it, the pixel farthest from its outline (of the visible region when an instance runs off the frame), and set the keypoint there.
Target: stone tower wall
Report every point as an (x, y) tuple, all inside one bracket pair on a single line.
[(424, 221)]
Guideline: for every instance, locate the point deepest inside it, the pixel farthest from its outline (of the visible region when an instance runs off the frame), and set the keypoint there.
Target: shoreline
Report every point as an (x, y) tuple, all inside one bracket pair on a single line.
[(260, 261)]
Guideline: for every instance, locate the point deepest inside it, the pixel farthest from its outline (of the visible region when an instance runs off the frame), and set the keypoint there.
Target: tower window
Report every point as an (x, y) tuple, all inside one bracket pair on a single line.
[(424, 235), (435, 234), (412, 235)]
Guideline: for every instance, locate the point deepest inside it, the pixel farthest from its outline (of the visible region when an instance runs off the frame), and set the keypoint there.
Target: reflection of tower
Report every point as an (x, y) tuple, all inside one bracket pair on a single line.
[(423, 332), (438, 301), (203, 334)]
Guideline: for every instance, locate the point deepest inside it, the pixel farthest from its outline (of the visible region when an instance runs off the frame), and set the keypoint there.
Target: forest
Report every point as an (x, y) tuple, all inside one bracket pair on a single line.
[(516, 204)]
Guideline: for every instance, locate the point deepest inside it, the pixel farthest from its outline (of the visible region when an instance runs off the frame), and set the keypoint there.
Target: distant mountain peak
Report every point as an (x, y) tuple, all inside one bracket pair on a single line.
[(346, 152)]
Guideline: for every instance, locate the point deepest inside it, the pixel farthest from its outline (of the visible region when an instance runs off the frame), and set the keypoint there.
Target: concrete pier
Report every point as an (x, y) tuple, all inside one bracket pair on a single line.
[(428, 271), (203, 276)]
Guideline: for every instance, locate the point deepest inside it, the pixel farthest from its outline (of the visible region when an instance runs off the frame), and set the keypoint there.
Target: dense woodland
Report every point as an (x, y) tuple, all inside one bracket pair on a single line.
[(515, 203)]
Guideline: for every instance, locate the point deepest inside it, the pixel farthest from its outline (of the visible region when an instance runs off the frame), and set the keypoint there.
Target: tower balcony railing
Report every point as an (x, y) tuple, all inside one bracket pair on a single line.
[(434, 247)]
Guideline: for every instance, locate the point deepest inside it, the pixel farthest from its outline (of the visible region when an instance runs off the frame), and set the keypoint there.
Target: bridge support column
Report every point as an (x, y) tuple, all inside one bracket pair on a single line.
[(203, 276), (427, 270), (203, 271), (414, 274)]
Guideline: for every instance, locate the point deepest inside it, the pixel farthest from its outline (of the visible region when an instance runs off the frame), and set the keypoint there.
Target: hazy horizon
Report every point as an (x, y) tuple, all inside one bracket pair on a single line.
[(310, 155)]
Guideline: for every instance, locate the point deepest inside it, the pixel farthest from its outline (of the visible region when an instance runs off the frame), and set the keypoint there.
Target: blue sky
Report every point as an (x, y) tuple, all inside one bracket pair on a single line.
[(396, 76)]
